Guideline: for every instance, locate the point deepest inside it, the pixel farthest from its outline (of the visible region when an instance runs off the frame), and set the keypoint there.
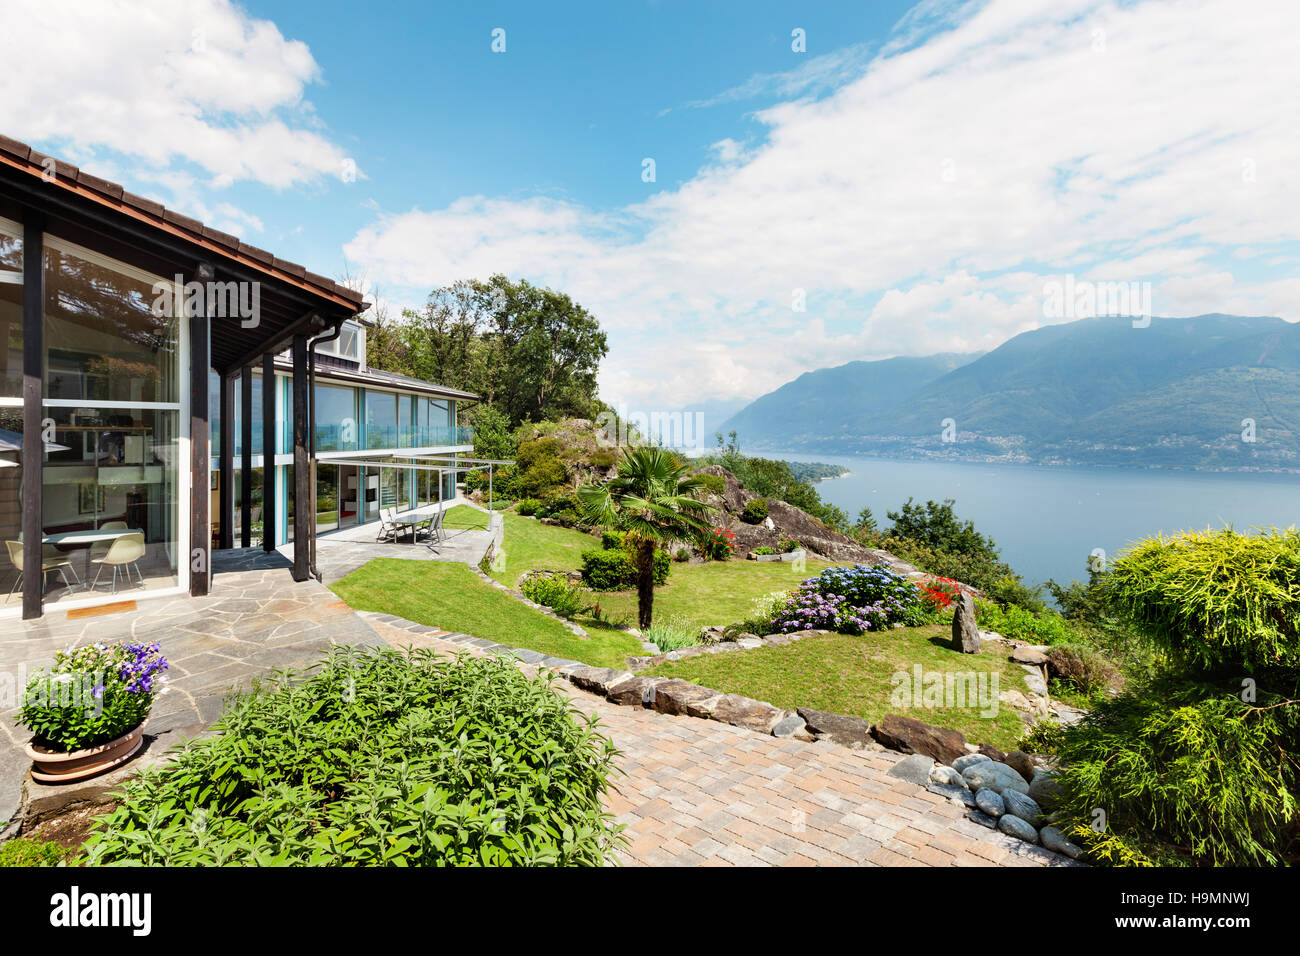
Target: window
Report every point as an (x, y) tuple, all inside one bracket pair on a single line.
[(336, 418), (11, 310), (381, 420), (346, 346)]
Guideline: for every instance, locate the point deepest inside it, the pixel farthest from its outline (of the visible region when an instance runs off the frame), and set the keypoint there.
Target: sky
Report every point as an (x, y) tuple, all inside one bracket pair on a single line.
[(739, 191)]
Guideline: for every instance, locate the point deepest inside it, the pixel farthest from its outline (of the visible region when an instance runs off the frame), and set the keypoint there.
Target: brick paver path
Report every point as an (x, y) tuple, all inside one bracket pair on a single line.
[(699, 792)]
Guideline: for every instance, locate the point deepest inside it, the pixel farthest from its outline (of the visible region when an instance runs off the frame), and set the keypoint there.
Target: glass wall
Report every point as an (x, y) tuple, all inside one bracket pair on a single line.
[(11, 310), (336, 418), (111, 487), (381, 420)]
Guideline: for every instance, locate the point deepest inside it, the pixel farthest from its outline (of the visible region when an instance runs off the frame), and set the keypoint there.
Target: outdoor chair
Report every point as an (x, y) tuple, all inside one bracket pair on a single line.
[(124, 554), (100, 548), (387, 526), (54, 564)]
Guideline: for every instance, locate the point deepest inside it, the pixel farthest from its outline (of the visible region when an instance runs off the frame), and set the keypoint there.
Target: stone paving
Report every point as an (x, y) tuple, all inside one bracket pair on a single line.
[(698, 792)]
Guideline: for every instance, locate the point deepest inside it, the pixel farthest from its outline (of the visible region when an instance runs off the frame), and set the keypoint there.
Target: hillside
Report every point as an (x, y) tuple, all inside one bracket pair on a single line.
[(1095, 391)]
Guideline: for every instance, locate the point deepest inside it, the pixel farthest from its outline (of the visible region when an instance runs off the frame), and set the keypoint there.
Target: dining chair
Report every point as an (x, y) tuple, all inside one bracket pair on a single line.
[(16, 559), (387, 527), (52, 557), (124, 554), (100, 548)]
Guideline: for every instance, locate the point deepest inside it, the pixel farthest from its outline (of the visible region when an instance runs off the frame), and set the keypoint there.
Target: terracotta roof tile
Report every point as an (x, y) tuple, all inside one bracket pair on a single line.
[(100, 185), (143, 204), (292, 268), (221, 238), (185, 222), (15, 148), (261, 255)]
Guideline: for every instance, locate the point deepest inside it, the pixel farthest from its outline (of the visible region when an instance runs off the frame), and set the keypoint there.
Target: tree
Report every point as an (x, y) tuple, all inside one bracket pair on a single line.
[(651, 500), (937, 526)]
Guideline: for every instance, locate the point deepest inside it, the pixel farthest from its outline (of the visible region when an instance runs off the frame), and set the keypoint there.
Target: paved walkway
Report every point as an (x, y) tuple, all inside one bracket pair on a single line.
[(698, 792)]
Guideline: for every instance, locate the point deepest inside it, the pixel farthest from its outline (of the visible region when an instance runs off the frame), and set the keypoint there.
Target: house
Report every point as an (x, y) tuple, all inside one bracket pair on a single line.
[(132, 337)]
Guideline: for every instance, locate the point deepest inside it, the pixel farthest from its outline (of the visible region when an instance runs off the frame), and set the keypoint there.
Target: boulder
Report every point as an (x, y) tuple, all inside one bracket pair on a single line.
[(983, 819), (745, 712), (712, 635), (1034, 680), (988, 750), (1056, 841), (996, 776), (683, 698), (791, 725), (1024, 654), (948, 775), (1021, 806), (1016, 827), (990, 802), (851, 732), (1021, 763), (597, 680), (1046, 791), (955, 794), (913, 737), (637, 692), (914, 769), (965, 632), (969, 760)]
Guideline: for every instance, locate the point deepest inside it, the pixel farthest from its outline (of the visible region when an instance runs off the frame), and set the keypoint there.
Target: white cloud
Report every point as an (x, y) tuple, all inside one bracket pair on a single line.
[(197, 83), (928, 198)]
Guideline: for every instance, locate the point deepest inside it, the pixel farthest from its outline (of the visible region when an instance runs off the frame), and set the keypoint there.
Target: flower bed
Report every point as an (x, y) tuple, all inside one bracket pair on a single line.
[(850, 600)]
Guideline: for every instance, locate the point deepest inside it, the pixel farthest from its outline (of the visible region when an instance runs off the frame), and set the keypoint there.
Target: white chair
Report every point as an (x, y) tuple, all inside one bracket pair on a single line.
[(387, 526), (52, 557), (100, 548), (16, 559), (124, 553)]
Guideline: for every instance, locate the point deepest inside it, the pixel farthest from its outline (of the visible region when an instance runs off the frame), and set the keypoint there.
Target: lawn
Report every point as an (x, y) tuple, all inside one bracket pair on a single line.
[(529, 544), (852, 675), (465, 518), (450, 596)]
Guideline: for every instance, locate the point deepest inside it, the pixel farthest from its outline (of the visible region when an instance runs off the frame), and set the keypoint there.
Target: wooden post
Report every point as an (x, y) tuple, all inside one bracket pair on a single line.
[(304, 513), (268, 453), (246, 456), (200, 444), (33, 441), (227, 464)]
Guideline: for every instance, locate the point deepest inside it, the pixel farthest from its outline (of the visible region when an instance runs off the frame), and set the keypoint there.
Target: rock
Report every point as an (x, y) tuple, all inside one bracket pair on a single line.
[(597, 680), (965, 632), (992, 753), (745, 712), (683, 698), (990, 802), (912, 736), (637, 692), (947, 775), (914, 769), (749, 642), (851, 732), (1016, 827), (983, 819), (1056, 841), (996, 776), (1018, 701), (1027, 655), (1046, 791), (955, 794), (791, 725), (712, 635), (1021, 806), (650, 647), (1034, 680), (1021, 763), (969, 760)]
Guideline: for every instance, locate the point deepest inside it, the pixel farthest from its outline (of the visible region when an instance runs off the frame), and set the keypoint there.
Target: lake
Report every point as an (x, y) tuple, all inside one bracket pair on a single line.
[(1046, 521)]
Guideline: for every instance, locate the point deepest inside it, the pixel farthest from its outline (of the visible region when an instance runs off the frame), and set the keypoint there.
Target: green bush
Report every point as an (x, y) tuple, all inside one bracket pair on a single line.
[(755, 511), (1186, 771), (613, 539), (527, 506), (1214, 598), (1043, 627), (542, 477), (555, 592), (380, 758), (672, 634), (611, 569), (713, 484), (683, 554), (21, 851)]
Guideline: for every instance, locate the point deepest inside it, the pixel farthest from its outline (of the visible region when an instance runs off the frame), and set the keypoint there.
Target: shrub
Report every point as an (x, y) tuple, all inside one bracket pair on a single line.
[(1214, 598), (21, 851), (555, 592), (380, 758), (718, 544), (766, 550), (713, 484), (788, 545), (1084, 667), (755, 511), (613, 539), (528, 506), (1044, 627), (604, 458), (672, 634), (850, 600), (937, 526), (938, 592), (543, 477), (611, 569), (762, 615), (1191, 765), (683, 554), (92, 695)]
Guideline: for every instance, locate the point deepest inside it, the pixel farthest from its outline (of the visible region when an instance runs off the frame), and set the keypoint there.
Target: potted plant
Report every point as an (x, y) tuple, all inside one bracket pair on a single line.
[(87, 711)]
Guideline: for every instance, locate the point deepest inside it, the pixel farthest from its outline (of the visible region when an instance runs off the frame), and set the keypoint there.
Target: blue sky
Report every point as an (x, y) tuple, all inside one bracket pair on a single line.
[(909, 183)]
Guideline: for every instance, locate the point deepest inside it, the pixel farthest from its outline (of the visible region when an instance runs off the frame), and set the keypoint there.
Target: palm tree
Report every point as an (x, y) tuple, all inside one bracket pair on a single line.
[(651, 501)]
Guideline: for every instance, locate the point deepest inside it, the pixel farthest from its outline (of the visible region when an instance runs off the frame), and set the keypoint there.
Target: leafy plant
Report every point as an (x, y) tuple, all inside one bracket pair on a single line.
[(717, 544), (21, 851), (755, 511), (555, 592), (527, 506), (379, 758), (611, 569), (1017, 623), (92, 695), (672, 634), (850, 600)]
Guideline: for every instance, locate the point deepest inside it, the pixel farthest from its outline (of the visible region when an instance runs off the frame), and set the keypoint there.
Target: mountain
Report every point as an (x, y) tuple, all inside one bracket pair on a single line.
[(1095, 391)]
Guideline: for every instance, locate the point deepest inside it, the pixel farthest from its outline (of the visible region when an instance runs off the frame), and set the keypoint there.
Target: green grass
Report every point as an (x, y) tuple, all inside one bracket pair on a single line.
[(852, 675), (530, 545), (450, 596), (465, 518)]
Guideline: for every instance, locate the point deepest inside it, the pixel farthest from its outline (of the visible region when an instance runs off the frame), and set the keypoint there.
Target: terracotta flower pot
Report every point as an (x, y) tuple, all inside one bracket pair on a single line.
[(54, 766)]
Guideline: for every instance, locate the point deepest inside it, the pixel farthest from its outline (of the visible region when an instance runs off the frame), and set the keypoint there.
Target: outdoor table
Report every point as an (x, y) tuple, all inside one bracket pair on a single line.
[(87, 537), (413, 517)]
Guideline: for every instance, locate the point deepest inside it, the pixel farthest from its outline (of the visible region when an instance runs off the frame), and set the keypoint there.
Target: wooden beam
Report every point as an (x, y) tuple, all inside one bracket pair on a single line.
[(200, 444), (304, 509), (227, 464), (246, 455), (33, 440), (269, 525)]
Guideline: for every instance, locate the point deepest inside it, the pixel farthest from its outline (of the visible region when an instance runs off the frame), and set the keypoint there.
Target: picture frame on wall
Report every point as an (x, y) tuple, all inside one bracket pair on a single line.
[(90, 498)]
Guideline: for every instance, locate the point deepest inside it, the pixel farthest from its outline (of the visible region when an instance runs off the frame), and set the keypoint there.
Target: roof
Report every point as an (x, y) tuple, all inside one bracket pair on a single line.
[(70, 178), (377, 377)]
